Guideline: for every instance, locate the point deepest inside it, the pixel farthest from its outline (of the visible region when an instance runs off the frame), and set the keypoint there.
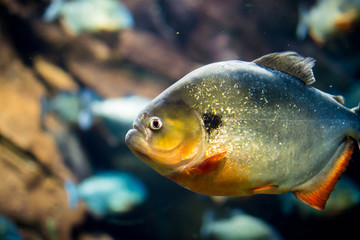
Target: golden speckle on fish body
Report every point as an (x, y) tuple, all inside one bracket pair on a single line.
[(239, 128)]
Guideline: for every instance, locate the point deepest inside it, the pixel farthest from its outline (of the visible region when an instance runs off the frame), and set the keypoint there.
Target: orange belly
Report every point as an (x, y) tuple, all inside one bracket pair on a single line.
[(228, 179)]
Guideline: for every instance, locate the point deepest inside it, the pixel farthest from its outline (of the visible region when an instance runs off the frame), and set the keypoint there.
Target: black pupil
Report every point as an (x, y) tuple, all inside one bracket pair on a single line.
[(156, 124)]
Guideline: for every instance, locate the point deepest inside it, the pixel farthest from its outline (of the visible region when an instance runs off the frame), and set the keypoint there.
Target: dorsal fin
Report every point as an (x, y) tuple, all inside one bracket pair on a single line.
[(291, 63)]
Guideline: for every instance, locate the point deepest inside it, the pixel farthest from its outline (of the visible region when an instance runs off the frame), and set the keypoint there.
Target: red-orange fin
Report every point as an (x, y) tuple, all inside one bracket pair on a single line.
[(263, 188), (208, 165), (319, 193)]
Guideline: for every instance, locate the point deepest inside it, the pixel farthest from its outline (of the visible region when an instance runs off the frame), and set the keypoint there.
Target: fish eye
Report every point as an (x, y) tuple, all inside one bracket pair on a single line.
[(155, 123)]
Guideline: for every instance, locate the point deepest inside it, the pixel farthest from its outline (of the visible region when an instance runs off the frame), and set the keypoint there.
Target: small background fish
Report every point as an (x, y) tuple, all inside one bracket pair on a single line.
[(328, 20), (110, 193), (90, 15), (238, 225)]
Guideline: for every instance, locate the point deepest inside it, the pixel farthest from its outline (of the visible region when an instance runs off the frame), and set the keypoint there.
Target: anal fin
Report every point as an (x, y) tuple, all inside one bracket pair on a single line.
[(319, 193)]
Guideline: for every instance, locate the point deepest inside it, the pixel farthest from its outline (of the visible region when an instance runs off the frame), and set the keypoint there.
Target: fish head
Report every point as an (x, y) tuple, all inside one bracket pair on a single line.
[(167, 135)]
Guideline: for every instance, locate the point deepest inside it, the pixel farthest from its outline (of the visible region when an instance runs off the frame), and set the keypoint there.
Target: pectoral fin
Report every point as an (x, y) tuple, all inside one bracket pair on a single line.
[(208, 165), (316, 194)]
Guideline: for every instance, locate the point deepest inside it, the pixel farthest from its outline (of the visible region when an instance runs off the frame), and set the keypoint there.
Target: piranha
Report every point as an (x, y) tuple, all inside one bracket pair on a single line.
[(328, 20), (237, 128)]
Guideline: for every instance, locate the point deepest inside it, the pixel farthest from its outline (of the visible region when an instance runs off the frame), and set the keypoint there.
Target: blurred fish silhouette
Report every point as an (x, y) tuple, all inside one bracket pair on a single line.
[(90, 15), (112, 192), (238, 226), (117, 113), (328, 19), (85, 108), (239, 128)]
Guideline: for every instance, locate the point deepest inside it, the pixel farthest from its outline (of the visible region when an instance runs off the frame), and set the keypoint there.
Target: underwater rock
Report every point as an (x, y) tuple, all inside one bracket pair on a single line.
[(52, 35), (32, 195), (228, 30), (69, 145), (54, 221), (30, 164), (152, 53), (23, 9), (54, 75), (109, 81), (20, 116), (97, 49)]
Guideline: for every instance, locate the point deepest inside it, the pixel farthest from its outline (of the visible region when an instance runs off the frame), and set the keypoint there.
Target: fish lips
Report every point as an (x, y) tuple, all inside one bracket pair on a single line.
[(137, 142), (136, 139)]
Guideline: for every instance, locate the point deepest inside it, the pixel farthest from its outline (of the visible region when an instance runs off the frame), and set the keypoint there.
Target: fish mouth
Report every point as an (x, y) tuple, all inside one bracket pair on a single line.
[(136, 140), (140, 128), (136, 137), (163, 161)]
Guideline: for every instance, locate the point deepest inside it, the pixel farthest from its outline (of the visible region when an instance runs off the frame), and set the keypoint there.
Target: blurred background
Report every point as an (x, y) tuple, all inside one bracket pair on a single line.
[(73, 76)]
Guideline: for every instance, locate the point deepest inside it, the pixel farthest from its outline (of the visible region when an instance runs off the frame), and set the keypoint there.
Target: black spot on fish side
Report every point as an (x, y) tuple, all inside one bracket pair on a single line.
[(211, 122)]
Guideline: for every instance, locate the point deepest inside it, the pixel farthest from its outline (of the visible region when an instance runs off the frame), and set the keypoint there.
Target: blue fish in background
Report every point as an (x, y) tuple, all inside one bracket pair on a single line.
[(72, 194), (85, 108), (115, 113), (238, 226), (8, 230), (90, 15), (112, 192), (328, 19)]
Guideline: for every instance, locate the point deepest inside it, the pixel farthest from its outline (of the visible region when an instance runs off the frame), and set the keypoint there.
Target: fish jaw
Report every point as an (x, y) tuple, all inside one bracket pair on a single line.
[(136, 140)]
